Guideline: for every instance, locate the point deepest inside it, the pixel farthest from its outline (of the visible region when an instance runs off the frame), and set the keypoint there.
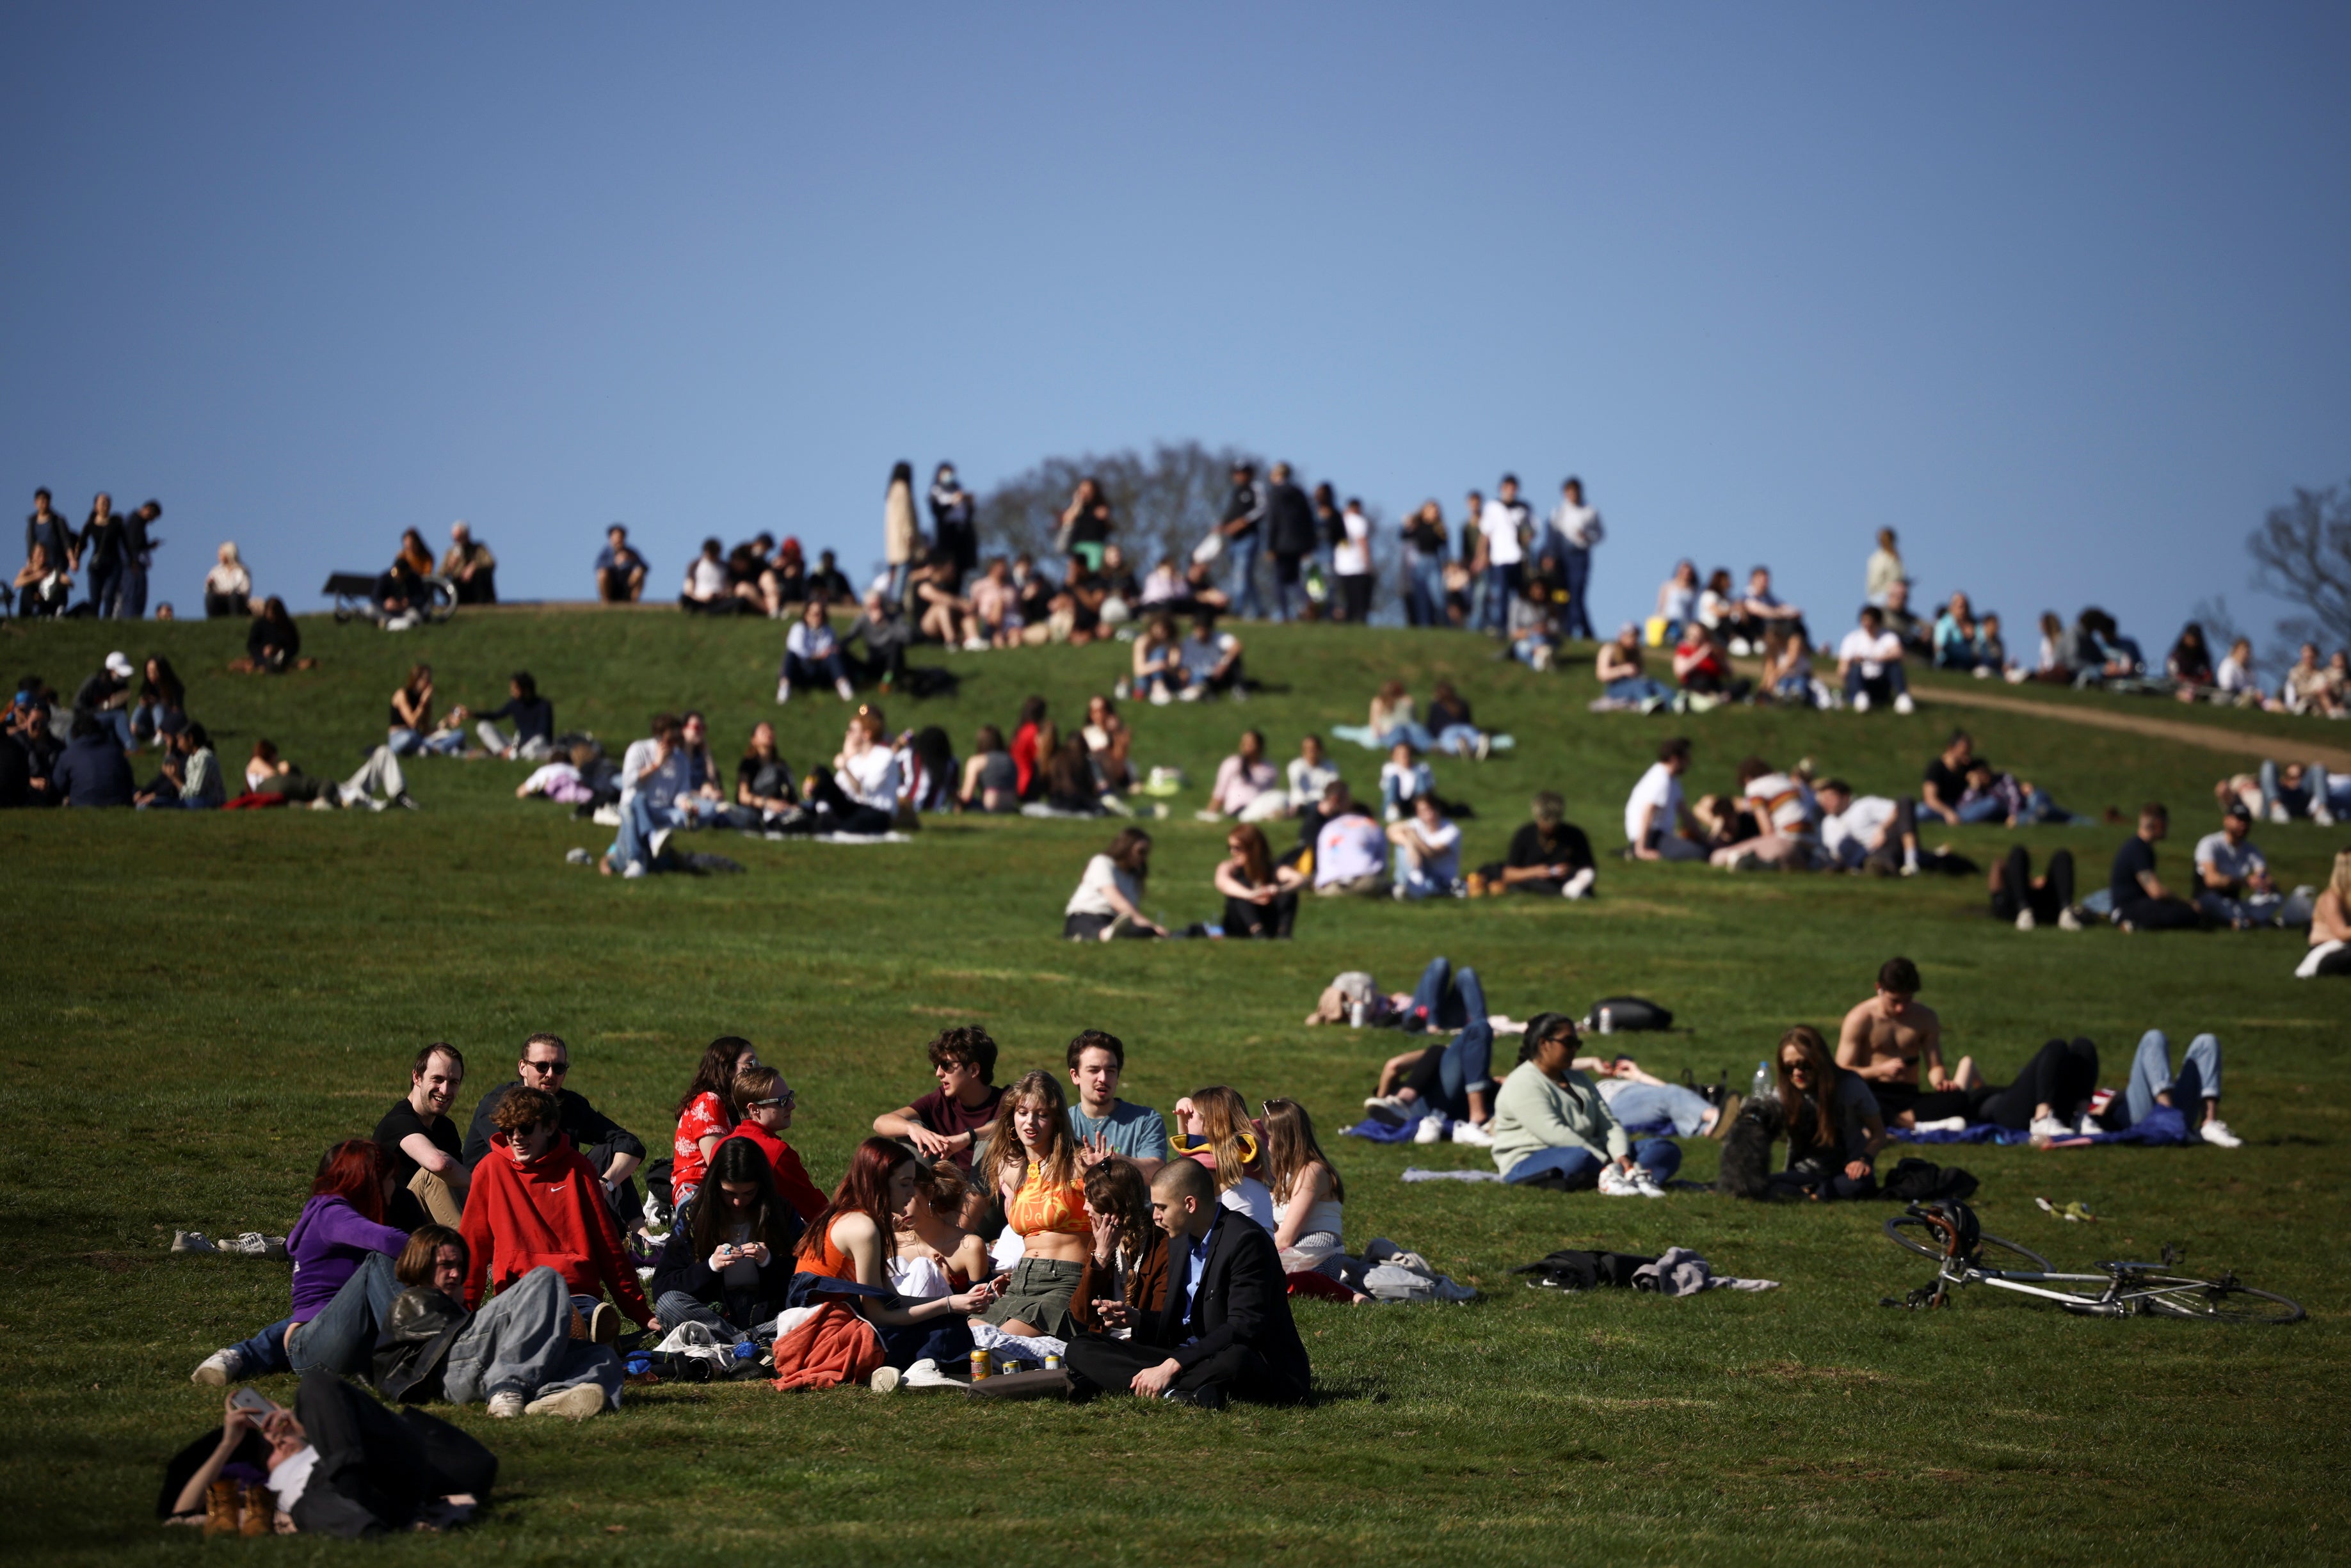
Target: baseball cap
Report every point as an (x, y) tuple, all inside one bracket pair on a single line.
[(118, 665)]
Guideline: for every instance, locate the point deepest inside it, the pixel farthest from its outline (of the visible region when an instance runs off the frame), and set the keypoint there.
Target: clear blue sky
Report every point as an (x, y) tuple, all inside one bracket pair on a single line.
[(2063, 293)]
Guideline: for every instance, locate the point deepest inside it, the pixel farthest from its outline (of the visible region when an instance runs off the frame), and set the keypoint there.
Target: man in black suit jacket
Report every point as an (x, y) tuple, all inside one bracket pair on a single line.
[(1226, 1327)]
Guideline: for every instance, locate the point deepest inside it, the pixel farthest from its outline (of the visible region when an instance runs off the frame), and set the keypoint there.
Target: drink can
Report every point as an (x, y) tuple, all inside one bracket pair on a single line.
[(1355, 1015), (1607, 1020), (1052, 1361), (979, 1365)]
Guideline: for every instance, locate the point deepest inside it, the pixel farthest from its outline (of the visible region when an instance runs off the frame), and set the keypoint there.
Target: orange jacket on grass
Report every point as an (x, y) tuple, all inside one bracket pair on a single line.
[(552, 1212)]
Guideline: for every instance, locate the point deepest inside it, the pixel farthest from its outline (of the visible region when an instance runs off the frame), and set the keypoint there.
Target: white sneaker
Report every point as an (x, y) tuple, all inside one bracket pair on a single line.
[(1947, 1124), (1471, 1133), (1861, 702), (2067, 920), (1901, 702), (1615, 1182), (2049, 1127), (192, 1241), (846, 692), (576, 1402), (2217, 1133), (1191, 694), (634, 870), (507, 1405), (660, 840), (885, 1380), (1647, 1184), (1580, 884), (2277, 812), (2321, 813), (975, 645), (2087, 1126), (2024, 921), (220, 1369), (1159, 697), (1430, 1131), (1387, 1108), (606, 817), (926, 1374), (783, 693)]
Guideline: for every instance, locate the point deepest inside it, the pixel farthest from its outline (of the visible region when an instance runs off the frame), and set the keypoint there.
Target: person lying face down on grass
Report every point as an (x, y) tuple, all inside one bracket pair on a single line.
[(1551, 1126), (1225, 1330), (517, 1354)]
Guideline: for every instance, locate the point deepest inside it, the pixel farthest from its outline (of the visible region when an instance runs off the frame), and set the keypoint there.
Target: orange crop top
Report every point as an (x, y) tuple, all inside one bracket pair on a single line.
[(1055, 1210)]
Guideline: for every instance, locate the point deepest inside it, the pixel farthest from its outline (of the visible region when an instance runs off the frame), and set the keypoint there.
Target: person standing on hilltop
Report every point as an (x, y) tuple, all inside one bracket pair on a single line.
[(899, 535), (1884, 571), (1578, 526)]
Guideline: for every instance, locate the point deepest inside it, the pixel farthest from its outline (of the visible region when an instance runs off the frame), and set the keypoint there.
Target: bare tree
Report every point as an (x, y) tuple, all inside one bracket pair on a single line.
[(1161, 505), (2302, 554)]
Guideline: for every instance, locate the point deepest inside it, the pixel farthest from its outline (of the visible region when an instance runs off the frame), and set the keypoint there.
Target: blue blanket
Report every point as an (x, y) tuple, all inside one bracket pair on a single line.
[(1381, 1132), (2163, 1124)]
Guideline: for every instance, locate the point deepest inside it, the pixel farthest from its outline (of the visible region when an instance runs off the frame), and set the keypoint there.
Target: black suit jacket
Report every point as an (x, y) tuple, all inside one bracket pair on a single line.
[(585, 1125), (1243, 1301)]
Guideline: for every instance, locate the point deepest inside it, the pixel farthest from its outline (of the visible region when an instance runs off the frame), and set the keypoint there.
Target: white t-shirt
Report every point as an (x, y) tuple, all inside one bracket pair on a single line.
[(1788, 803), (1499, 522), (2235, 861), (870, 778), (813, 643), (1660, 789), (706, 579), (1250, 1198), (1308, 779), (291, 1477), (1352, 557), (1848, 835), (2232, 676), (1102, 874), (1579, 526), (1446, 840), (658, 785), (1410, 782), (1873, 654), (1348, 847)]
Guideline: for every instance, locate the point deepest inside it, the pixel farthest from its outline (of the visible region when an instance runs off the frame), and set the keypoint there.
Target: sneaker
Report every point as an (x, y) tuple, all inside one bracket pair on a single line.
[(885, 1380), (2216, 1132), (1209, 1396), (507, 1405), (2024, 921), (975, 645), (2087, 1126), (1191, 694), (1901, 702), (1431, 1130), (2321, 813), (191, 1242), (604, 1324), (783, 693), (661, 839), (1580, 884), (1646, 1185), (406, 801), (1484, 746), (1387, 1110), (1397, 893), (1120, 690), (842, 689), (1861, 702), (576, 855), (2067, 920), (2049, 1127), (1946, 1124), (634, 869), (2278, 812), (251, 1244), (926, 1374), (1160, 696), (574, 1404), (219, 1369), (1471, 1133), (1392, 814), (606, 817), (1615, 1182)]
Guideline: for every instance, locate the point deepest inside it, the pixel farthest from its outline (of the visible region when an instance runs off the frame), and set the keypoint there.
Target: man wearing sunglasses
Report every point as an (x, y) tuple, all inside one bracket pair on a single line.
[(612, 1149)]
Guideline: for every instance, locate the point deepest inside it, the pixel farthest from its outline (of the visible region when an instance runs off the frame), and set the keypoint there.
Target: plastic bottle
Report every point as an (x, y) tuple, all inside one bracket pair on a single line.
[(1762, 1085), (1608, 1020)]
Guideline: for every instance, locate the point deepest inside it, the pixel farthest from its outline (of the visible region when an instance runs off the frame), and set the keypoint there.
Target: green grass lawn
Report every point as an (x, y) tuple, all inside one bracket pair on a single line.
[(203, 1001)]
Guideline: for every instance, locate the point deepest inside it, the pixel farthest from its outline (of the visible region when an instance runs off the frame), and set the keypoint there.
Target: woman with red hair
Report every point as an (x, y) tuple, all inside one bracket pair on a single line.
[(343, 1278)]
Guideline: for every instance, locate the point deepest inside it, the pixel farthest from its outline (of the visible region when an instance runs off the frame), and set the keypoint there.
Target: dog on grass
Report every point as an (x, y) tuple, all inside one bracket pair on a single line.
[(1746, 1169)]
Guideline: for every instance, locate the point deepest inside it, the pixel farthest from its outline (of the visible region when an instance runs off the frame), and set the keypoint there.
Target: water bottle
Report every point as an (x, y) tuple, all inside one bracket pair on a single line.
[(1608, 1020), (1762, 1085), (1355, 1013)]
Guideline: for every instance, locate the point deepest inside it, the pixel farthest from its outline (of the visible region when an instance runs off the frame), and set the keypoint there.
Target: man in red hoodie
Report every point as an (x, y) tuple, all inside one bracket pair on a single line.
[(535, 1200)]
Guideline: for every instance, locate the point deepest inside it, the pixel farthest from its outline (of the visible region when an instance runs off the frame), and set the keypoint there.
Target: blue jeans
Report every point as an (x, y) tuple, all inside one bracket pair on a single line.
[(1445, 999), (1635, 689), (639, 823), (2298, 802), (1580, 1167), (1989, 809), (1578, 565), (1653, 1105), (1494, 611), (340, 1338), (803, 672), (1890, 683), (1424, 589), (1243, 552), (263, 1355), (2199, 1075)]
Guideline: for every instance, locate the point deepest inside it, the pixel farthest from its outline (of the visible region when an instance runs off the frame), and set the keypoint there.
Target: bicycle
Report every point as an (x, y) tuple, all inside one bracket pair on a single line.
[(1946, 1232)]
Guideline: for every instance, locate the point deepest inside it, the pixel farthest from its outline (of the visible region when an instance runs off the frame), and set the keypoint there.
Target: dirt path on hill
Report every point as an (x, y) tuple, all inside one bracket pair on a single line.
[(2237, 742)]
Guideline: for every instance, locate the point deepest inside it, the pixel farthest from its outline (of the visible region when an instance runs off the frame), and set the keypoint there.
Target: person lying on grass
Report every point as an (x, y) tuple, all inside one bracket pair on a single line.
[(517, 1354)]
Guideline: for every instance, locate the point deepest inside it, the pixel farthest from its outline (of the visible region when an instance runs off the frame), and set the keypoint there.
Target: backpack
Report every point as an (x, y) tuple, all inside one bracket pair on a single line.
[(1628, 1014), (1570, 1270), (1918, 1181)]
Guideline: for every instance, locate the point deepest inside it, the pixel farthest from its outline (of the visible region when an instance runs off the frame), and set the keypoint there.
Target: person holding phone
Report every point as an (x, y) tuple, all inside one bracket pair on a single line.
[(730, 1266), (852, 1241)]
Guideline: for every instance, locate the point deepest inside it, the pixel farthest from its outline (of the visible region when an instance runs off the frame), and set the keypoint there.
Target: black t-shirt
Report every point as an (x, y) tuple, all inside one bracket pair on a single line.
[(1949, 782), (401, 1121), (2135, 856), (1423, 536), (767, 777), (1568, 847)]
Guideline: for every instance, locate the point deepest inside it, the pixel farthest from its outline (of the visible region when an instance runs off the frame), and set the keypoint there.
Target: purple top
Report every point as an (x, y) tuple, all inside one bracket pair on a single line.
[(328, 1242)]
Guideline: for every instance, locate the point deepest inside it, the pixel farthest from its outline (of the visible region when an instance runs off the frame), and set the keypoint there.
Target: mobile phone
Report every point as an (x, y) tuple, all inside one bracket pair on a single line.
[(252, 1403)]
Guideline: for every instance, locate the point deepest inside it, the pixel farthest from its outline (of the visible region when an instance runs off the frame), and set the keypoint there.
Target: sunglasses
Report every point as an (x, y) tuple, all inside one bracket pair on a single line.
[(787, 1100), (552, 1069)]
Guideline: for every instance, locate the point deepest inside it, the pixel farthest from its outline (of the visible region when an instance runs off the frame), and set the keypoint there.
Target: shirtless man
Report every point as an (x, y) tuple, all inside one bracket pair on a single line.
[(1885, 1038)]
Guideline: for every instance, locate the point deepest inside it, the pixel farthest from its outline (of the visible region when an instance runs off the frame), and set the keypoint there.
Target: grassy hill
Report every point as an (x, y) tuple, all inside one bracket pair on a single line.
[(205, 1000)]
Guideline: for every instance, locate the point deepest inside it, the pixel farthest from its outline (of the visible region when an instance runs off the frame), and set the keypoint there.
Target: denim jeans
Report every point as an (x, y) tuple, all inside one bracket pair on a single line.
[(2198, 1079), (1448, 999), (1653, 1105), (404, 741), (520, 1343), (1635, 689), (1580, 1167), (1890, 683), (639, 823), (339, 1339), (1578, 564), (2314, 788), (264, 1354), (1420, 880), (1424, 589), (1987, 808), (1243, 552), (1494, 611)]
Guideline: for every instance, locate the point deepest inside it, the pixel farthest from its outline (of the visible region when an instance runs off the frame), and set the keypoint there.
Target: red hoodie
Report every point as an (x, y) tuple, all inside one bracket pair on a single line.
[(549, 1212), (793, 1183)]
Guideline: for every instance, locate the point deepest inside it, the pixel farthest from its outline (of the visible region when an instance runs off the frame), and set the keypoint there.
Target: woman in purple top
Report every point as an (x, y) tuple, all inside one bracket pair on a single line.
[(343, 1279)]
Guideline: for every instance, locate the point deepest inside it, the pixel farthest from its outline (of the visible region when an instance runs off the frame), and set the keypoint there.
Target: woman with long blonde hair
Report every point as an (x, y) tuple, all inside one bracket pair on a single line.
[(1308, 1196), (1032, 1169), (1214, 1128), (2330, 926)]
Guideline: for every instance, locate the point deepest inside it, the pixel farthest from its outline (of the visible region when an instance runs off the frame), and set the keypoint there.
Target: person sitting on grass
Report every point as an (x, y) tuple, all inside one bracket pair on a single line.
[(1260, 896), (1993, 796), (1427, 854), (1109, 743), (1158, 670), (1350, 849), (420, 1140), (1309, 1197), (1548, 855), (1311, 772), (1215, 1129), (1226, 1330), (1702, 667), (957, 1118), (1127, 1265), (1658, 825), (1212, 660), (729, 1266), (1885, 1042), (1109, 898), (991, 781), (1869, 663), (343, 1282), (763, 781), (1868, 832), (1944, 783), (616, 1152), (1552, 1128), (1833, 1126), (2141, 901), (931, 1253), (2235, 887), (1623, 682), (532, 716), (811, 652), (860, 795), (1248, 785), (2028, 901), (763, 1104), (1402, 779), (2330, 926), (92, 772), (191, 779), (273, 643), (1102, 1124), (883, 627), (536, 1200), (619, 570), (854, 1239), (706, 1113), (1033, 1174), (517, 1354)]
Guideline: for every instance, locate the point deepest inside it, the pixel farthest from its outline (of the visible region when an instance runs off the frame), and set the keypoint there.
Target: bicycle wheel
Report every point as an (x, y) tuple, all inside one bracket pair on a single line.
[(2215, 1301), (1915, 1235)]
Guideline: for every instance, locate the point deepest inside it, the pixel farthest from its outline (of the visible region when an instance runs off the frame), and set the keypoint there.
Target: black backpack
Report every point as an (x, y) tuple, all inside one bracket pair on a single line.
[(1920, 1181), (1570, 1269), (1631, 1014)]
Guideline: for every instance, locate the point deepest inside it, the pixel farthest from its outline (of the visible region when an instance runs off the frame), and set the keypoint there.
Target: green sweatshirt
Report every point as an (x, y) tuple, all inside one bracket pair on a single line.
[(1532, 1112)]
